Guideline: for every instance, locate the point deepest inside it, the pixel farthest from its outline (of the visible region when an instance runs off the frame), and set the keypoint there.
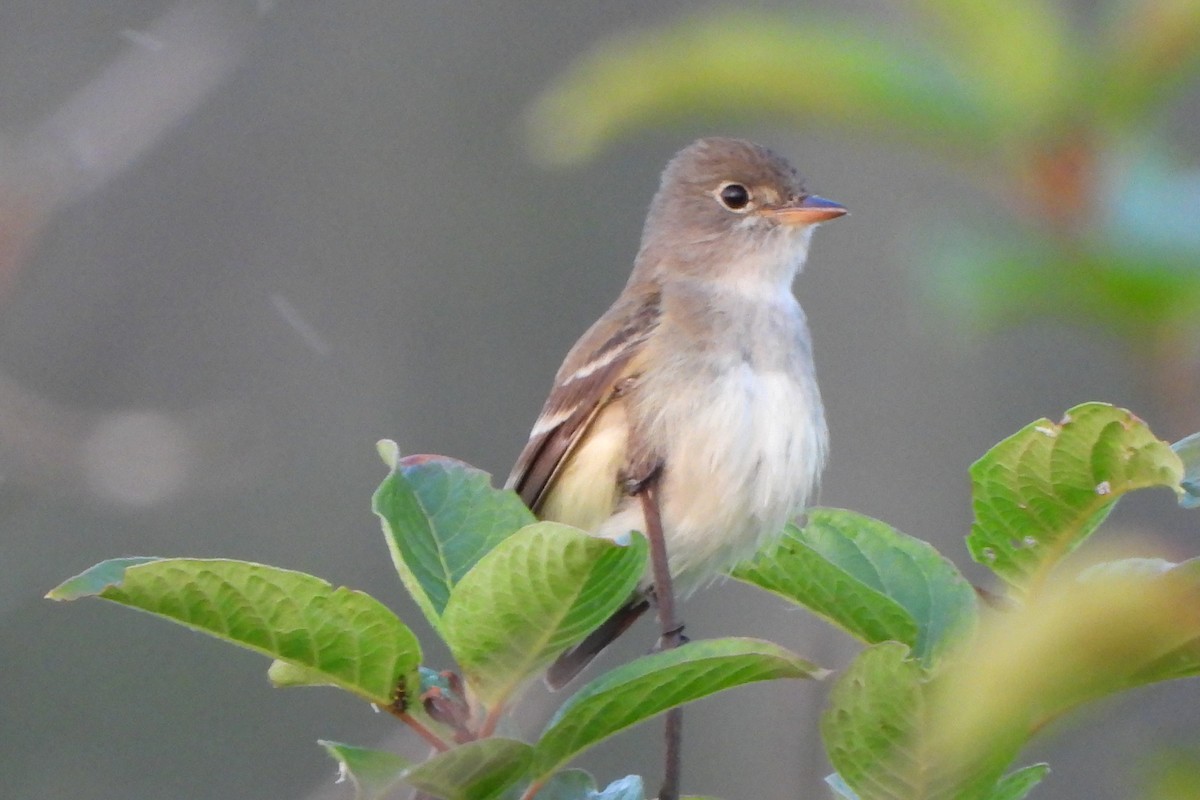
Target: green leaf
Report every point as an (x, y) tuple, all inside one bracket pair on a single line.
[(867, 578), (1040, 493), (980, 282), (1138, 293), (796, 67), (983, 280), (440, 516), (628, 788), (339, 636), (1016, 785), (1181, 657), (643, 688), (373, 772), (537, 593), (389, 453), (794, 570), (284, 675), (94, 580), (1188, 451), (1114, 627), (575, 784), (570, 784), (878, 735), (840, 787), (478, 770), (1148, 51), (1016, 54), (1171, 774), (874, 713)]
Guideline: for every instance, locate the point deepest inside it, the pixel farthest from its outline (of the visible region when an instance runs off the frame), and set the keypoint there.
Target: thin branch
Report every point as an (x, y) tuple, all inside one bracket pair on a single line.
[(671, 631), (434, 741), (492, 720), (672, 755)]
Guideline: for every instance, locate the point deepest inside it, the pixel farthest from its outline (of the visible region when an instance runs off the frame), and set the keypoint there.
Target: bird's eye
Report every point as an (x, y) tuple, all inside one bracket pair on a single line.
[(734, 196)]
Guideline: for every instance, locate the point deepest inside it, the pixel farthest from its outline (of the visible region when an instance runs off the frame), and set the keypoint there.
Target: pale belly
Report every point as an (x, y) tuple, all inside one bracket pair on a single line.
[(743, 459)]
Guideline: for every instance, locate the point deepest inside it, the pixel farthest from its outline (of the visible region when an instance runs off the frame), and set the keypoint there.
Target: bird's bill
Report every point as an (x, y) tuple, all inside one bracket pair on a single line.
[(810, 210)]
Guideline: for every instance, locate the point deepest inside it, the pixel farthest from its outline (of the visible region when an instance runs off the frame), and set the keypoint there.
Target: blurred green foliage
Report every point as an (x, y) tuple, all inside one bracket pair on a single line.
[(1058, 119), (1173, 776)]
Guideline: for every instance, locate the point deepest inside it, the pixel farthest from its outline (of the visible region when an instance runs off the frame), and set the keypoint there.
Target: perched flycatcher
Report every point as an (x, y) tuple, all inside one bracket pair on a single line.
[(700, 374)]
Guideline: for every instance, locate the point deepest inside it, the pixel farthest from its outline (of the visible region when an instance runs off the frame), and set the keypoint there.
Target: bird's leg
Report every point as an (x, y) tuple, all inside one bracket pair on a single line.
[(668, 639), (664, 594), (642, 482), (645, 487)]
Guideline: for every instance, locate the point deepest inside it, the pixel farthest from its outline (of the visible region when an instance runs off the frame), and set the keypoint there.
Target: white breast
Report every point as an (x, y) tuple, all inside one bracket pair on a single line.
[(731, 489), (745, 452)]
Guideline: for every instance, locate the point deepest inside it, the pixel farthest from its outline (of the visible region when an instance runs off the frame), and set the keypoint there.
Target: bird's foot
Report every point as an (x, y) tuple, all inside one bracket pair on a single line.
[(671, 639)]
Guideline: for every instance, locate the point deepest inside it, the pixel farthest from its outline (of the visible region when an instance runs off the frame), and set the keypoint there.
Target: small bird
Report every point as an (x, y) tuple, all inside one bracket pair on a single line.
[(699, 376)]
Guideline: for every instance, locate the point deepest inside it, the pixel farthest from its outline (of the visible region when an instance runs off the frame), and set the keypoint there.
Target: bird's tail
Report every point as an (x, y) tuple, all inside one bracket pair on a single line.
[(573, 661)]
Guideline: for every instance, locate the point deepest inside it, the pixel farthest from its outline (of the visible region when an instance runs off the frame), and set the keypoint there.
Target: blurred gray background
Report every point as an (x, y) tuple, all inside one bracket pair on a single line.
[(241, 242)]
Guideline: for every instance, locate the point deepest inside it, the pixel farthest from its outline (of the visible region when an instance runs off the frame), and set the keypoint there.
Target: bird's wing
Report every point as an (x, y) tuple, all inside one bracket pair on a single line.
[(588, 380), (573, 661)]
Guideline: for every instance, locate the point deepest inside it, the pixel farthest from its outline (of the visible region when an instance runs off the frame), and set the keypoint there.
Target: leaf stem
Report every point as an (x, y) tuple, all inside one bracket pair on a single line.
[(491, 720), (533, 789), (434, 741), (672, 631)]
